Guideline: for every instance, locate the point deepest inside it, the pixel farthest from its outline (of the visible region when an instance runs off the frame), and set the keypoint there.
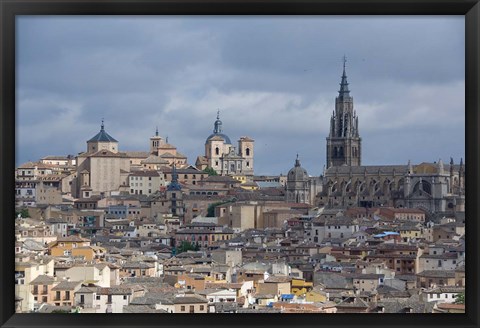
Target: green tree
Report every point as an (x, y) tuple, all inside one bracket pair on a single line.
[(211, 207), (460, 298), (187, 246), (210, 171), (23, 213)]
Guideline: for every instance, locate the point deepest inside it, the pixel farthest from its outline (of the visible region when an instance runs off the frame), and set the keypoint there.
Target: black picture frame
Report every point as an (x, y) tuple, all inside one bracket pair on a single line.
[(11, 8)]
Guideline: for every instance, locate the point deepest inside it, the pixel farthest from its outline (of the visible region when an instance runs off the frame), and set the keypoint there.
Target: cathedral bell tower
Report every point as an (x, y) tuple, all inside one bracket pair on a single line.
[(344, 142)]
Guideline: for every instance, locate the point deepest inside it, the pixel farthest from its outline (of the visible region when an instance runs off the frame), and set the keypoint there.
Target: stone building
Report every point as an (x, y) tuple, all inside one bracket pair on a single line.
[(102, 168), (222, 156), (433, 187), (300, 187)]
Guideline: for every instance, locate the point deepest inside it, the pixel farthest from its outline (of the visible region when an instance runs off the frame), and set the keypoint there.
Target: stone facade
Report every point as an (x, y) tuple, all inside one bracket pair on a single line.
[(222, 156)]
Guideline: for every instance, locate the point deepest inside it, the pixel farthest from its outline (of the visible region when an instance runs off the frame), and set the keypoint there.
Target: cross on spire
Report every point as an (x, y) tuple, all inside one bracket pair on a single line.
[(102, 127)]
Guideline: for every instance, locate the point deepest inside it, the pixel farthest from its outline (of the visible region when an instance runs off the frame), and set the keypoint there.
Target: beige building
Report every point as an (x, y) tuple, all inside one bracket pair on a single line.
[(251, 215), (99, 169), (98, 274), (64, 292), (27, 271), (145, 182), (49, 191), (41, 288), (190, 303)]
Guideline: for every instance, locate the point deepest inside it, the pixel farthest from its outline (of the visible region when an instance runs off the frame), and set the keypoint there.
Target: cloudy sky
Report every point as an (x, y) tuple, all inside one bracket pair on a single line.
[(273, 79)]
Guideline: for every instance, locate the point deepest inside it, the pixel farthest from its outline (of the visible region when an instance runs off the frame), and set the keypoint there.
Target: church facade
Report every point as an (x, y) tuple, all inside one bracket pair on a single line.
[(223, 157), (433, 187)]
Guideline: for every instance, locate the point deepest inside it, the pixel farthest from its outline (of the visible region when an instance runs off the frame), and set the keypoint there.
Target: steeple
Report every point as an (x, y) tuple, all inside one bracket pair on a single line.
[(174, 185), (218, 124), (297, 162), (344, 92), (102, 127), (344, 142)]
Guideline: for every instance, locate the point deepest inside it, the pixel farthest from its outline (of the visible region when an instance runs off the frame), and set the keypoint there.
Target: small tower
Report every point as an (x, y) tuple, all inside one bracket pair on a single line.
[(344, 142), (155, 142), (461, 177), (175, 196), (245, 150)]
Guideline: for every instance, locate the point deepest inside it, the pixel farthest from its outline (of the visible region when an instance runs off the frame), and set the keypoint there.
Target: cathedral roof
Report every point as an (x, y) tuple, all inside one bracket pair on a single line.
[(102, 136), (370, 169), (423, 168)]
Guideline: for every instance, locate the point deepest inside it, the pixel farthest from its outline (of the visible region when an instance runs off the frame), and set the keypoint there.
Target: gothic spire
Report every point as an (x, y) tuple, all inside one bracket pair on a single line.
[(344, 92)]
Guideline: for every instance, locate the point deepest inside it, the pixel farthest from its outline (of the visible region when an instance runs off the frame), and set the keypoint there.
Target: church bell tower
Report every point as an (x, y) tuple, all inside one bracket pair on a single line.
[(343, 141)]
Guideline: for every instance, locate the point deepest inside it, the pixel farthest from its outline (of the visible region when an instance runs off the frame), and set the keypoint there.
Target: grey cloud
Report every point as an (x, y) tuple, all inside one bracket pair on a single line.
[(274, 79)]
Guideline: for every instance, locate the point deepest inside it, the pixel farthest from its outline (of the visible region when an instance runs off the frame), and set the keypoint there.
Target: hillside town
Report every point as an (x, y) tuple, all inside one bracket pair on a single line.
[(146, 231)]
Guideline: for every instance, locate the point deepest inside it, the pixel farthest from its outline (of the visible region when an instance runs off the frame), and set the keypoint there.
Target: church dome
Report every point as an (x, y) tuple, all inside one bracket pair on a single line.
[(221, 135), (217, 131), (297, 173)]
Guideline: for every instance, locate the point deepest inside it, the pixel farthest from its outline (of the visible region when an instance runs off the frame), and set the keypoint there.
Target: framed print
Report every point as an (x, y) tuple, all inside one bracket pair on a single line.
[(275, 163)]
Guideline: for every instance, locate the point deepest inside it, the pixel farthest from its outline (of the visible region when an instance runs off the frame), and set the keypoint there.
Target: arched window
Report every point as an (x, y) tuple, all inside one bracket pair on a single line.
[(247, 151), (217, 151)]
